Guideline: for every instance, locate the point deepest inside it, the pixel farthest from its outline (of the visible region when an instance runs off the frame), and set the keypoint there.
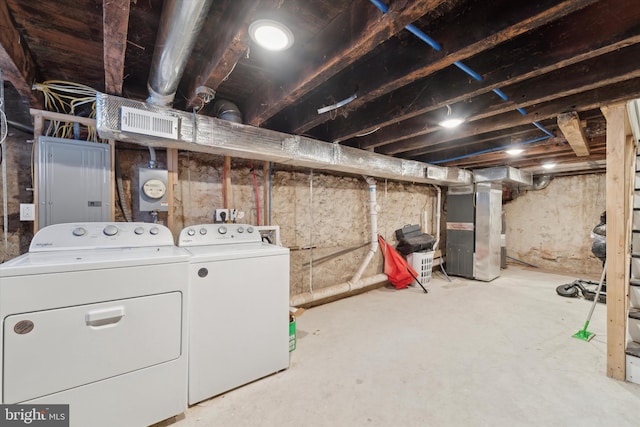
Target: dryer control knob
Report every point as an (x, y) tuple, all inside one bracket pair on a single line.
[(249, 229), (139, 230), (222, 229), (79, 231), (191, 232), (240, 229), (154, 230), (203, 231), (110, 230)]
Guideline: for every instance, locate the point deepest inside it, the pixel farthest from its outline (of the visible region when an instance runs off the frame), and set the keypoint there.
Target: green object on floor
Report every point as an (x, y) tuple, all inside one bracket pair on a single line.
[(583, 334), (292, 333)]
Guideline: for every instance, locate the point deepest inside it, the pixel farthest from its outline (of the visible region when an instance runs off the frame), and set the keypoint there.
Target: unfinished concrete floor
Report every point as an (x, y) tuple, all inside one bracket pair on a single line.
[(466, 354)]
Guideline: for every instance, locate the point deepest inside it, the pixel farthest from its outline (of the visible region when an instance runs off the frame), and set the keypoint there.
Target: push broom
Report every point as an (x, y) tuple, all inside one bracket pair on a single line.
[(583, 334)]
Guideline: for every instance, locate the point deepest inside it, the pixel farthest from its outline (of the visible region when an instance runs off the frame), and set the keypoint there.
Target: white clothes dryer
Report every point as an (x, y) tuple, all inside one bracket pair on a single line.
[(94, 316)]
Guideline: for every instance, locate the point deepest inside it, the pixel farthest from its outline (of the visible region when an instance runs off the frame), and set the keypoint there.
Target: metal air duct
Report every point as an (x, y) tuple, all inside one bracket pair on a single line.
[(180, 25), (227, 110), (196, 132)]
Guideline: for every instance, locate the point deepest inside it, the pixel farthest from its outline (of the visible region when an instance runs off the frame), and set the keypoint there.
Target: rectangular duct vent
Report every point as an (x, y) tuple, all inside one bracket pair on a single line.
[(148, 123)]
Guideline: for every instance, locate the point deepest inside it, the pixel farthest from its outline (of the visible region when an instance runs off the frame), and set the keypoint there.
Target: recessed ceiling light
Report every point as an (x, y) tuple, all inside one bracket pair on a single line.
[(271, 34), (514, 151), (549, 165)]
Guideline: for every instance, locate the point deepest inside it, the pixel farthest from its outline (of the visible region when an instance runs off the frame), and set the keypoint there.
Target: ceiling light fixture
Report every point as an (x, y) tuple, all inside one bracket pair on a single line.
[(451, 121), (514, 151), (549, 165), (270, 34)]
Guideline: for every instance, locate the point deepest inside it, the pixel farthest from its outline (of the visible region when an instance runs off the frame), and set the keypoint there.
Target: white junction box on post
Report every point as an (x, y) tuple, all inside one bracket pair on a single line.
[(27, 212)]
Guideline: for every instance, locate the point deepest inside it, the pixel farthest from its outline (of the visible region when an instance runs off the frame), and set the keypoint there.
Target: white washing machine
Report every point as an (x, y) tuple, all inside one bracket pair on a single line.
[(94, 316), (238, 307)]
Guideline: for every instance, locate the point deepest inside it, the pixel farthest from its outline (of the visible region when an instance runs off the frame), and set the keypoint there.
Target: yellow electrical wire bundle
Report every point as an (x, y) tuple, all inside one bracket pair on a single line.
[(67, 98)]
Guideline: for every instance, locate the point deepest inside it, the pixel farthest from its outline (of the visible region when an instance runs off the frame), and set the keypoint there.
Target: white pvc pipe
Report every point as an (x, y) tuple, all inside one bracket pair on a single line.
[(356, 281), (438, 198), (332, 291), (373, 215)]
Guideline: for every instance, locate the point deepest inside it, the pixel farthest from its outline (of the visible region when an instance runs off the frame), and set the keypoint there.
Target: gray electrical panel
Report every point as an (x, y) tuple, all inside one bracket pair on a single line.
[(73, 181)]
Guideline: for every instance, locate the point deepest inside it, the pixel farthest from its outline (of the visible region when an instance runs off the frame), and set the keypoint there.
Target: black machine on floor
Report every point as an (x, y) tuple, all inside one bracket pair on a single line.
[(587, 287)]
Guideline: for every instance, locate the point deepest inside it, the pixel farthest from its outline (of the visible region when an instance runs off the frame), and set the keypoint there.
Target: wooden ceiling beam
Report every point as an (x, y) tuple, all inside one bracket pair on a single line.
[(535, 154), (228, 41), (585, 101), (16, 60), (503, 138), (485, 149), (582, 77), (115, 24), (366, 28), (478, 143), (420, 141), (461, 36), (569, 124), (539, 52)]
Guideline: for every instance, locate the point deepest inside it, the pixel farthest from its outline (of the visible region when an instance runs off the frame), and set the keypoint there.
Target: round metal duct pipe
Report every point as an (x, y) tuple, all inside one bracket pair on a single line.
[(227, 110), (180, 25), (540, 182)]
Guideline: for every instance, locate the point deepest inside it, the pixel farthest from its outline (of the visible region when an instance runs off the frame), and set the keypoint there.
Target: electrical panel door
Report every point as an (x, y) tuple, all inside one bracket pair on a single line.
[(73, 181)]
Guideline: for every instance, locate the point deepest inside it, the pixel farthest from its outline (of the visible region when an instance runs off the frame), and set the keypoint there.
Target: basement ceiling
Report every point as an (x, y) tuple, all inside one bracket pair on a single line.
[(537, 72)]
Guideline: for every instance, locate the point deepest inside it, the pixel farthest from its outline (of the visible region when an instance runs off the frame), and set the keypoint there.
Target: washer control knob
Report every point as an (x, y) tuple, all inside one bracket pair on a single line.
[(79, 231), (203, 231), (249, 229), (222, 229), (154, 230), (240, 229), (191, 232), (139, 230), (110, 230)]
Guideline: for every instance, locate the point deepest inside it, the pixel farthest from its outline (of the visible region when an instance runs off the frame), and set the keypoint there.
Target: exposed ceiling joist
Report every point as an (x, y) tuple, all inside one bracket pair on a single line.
[(115, 22), (542, 51), (569, 124), (586, 100), (461, 38), (541, 59), (367, 28), (555, 150), (226, 47), (16, 60)]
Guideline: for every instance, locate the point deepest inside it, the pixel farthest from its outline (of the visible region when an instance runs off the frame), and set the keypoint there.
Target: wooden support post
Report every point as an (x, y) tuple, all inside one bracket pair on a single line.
[(112, 179), (267, 188), (172, 167), (226, 190), (620, 151)]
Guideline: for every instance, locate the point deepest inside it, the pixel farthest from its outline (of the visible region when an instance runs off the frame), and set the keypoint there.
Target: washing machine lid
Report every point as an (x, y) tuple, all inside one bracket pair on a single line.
[(66, 261), (234, 251)]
